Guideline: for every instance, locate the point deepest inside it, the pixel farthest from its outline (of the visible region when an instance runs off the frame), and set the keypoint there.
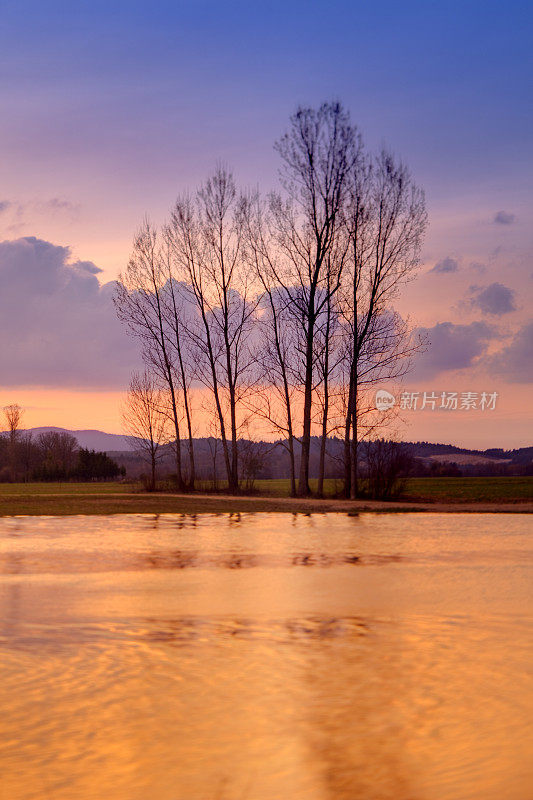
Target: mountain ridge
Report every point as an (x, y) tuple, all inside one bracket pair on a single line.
[(90, 439), (94, 439)]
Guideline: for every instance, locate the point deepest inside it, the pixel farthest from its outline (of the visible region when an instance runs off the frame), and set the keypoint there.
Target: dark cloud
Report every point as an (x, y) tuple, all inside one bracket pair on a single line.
[(514, 362), (495, 299), (446, 265), (504, 218), (4, 205), (451, 347), (58, 325)]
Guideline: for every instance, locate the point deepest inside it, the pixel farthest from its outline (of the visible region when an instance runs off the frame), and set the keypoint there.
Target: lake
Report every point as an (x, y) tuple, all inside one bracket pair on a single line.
[(266, 657)]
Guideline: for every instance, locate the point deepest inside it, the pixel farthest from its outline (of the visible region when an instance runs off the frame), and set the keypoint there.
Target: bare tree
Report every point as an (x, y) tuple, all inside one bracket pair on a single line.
[(145, 421), (385, 223), (318, 153), (177, 311), (278, 334), (206, 235), (140, 304), (13, 416)]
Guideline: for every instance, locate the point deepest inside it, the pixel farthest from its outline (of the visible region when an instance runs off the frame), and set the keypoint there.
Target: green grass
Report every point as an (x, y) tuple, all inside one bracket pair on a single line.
[(278, 487), (509, 489), (120, 498), (457, 490), (281, 487), (92, 488), (72, 504)]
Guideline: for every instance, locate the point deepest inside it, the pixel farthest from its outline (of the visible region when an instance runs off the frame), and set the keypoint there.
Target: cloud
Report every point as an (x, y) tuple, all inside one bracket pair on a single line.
[(451, 347), (446, 265), (495, 299), (56, 205), (22, 214), (58, 325), (477, 266), (87, 266), (504, 218), (514, 362)]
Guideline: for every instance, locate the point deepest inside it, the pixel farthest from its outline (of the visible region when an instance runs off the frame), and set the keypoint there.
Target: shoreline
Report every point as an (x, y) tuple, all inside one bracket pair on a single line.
[(58, 504)]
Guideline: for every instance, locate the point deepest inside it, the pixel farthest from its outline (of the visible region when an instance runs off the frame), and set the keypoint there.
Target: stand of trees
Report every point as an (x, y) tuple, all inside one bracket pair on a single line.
[(51, 456), (280, 307)]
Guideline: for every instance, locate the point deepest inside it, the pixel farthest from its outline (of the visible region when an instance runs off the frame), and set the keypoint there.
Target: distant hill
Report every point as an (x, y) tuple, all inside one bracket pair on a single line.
[(92, 440), (275, 458)]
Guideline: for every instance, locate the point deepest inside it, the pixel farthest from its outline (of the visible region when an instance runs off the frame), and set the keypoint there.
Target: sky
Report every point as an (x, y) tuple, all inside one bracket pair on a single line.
[(109, 110)]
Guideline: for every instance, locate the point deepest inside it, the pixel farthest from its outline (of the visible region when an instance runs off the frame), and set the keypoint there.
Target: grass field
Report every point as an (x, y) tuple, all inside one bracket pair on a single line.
[(76, 489), (114, 498), (456, 490), (482, 490)]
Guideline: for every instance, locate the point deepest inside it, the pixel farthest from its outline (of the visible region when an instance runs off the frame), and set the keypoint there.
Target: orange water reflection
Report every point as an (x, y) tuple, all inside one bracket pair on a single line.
[(265, 657)]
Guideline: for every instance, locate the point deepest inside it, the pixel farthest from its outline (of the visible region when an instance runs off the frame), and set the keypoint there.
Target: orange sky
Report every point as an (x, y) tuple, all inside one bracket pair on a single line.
[(503, 427)]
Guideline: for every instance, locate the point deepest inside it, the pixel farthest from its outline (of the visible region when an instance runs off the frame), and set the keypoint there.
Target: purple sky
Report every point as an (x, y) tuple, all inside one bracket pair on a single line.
[(110, 110)]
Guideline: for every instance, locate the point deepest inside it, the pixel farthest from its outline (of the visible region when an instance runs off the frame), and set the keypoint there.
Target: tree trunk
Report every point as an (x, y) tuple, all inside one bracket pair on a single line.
[(289, 426), (347, 453), (222, 429), (323, 440), (192, 469), (292, 465), (325, 409), (215, 473), (354, 482), (303, 481), (152, 481), (234, 483)]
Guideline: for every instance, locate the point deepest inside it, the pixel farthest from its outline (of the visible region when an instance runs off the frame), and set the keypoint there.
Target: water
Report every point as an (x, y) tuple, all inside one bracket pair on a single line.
[(266, 656)]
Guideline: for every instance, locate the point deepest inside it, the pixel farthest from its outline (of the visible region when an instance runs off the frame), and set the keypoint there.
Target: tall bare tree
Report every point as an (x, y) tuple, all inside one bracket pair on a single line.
[(141, 304), (145, 420), (176, 312), (385, 223), (206, 235), (279, 337), (319, 153)]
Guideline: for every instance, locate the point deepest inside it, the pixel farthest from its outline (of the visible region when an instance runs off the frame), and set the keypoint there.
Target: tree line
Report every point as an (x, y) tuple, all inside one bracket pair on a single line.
[(49, 456), (275, 311)]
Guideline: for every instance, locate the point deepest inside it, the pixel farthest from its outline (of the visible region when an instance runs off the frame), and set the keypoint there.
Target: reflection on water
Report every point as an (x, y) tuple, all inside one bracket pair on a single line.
[(324, 657)]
